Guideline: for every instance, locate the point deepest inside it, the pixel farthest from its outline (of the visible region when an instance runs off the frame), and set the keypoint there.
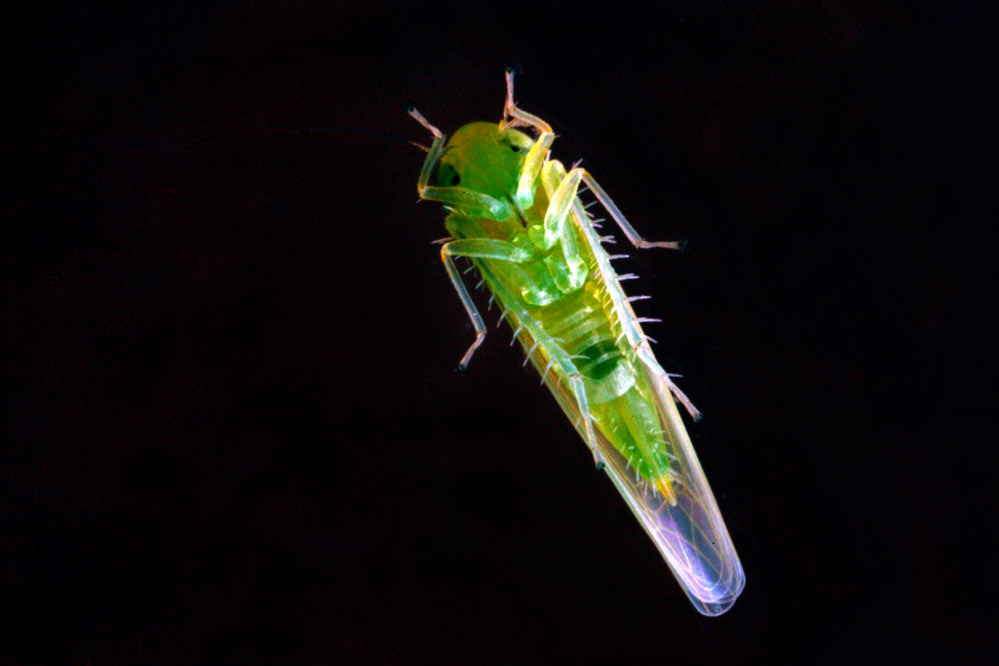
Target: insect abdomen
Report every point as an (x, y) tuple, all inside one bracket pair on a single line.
[(621, 402), (581, 323)]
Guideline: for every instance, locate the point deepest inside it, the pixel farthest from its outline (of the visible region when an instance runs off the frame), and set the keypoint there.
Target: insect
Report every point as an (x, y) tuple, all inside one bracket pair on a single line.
[(516, 214)]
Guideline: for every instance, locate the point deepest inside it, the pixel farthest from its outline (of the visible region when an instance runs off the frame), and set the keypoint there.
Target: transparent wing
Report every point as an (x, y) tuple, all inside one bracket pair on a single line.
[(690, 533)]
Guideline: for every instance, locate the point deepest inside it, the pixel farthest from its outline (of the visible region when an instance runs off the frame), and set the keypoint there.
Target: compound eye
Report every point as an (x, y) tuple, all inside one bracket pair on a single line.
[(516, 142), (447, 176)]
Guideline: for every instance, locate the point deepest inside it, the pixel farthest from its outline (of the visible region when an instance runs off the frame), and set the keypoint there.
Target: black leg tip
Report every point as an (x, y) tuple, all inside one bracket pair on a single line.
[(508, 69), (601, 466), (461, 369), (683, 246)]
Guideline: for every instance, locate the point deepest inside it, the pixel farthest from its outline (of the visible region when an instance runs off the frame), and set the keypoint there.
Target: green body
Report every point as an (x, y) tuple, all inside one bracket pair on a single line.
[(548, 282), (516, 215)]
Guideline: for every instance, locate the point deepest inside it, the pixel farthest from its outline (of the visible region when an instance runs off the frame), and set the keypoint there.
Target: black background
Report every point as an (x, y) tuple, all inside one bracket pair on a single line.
[(233, 432)]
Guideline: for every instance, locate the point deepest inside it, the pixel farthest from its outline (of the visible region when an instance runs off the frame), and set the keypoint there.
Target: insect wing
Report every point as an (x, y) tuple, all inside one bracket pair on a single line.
[(690, 533)]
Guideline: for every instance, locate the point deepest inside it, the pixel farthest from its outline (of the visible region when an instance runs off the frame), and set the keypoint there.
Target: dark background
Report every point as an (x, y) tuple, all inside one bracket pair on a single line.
[(232, 429)]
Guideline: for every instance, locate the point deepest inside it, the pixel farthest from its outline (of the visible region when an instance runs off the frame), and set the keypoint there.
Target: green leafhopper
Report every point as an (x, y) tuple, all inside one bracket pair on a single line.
[(516, 214)]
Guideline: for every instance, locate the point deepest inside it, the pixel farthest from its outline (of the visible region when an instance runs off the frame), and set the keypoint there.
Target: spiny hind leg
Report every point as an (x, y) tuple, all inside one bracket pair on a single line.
[(666, 381), (681, 397), (480, 248), (562, 189), (579, 390), (590, 233), (622, 221), (466, 300)]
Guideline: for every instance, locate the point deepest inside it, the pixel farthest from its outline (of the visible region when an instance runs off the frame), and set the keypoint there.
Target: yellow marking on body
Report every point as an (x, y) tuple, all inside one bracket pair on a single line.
[(665, 488)]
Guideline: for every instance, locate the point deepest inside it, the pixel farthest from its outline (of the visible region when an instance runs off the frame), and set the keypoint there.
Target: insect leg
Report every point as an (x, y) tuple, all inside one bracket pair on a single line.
[(487, 248), (576, 382), (621, 220), (475, 204), (536, 156), (520, 117), (532, 167), (557, 355), (629, 323), (556, 225), (482, 249), (473, 312), (433, 154), (667, 383), (694, 412)]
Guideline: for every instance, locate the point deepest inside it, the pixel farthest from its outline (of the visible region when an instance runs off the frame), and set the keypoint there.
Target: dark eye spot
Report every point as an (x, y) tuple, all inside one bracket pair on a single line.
[(448, 176), (515, 149)]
